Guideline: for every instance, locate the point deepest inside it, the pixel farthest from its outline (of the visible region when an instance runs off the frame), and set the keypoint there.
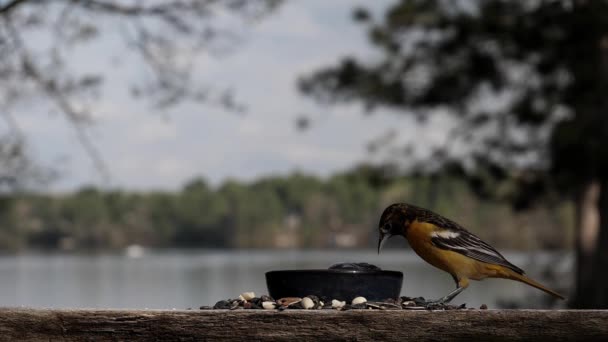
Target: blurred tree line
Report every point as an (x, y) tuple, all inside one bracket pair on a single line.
[(291, 211)]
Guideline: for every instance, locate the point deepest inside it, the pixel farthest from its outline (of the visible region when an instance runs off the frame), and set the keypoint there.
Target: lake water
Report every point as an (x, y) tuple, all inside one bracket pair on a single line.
[(166, 279)]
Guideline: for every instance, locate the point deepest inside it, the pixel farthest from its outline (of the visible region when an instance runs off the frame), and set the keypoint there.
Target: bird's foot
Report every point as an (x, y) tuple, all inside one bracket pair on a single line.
[(441, 304), (437, 304)]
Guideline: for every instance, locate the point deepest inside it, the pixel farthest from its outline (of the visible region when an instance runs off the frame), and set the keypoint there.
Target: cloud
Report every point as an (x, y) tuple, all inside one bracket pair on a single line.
[(154, 130)]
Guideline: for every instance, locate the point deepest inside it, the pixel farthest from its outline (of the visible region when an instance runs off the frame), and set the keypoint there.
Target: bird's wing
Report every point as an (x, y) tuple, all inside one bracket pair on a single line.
[(455, 238), (464, 242)]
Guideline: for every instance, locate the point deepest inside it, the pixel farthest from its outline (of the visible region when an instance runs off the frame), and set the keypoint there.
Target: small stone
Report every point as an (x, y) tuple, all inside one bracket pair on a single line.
[(358, 300), (222, 305), (307, 303), (247, 305), (420, 301), (204, 307), (266, 298), (336, 304), (256, 301), (269, 305), (235, 305), (483, 307), (247, 296), (359, 306), (360, 266)]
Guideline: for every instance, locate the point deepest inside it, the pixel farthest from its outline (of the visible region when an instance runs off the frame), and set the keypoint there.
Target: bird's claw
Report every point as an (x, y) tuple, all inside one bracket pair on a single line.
[(435, 305), (442, 304)]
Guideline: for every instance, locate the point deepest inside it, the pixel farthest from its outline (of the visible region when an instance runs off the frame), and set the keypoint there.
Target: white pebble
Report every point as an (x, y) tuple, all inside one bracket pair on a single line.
[(247, 296), (336, 304), (359, 300), (307, 303), (321, 304), (268, 305)]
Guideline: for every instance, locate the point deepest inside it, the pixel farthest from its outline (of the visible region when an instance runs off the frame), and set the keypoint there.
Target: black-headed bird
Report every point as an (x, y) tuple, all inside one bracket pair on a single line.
[(449, 247)]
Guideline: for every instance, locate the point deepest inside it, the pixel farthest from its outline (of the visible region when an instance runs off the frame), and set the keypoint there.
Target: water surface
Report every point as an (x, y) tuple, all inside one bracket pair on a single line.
[(165, 279)]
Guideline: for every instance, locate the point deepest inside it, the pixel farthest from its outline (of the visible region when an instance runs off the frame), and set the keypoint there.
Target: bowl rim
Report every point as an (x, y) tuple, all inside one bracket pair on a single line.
[(339, 271)]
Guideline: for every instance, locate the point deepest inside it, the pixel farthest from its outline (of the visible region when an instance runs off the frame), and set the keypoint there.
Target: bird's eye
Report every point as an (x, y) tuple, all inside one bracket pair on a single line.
[(386, 228)]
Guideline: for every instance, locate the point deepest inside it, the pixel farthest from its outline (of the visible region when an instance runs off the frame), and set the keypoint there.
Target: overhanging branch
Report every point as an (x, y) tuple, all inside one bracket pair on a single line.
[(11, 5)]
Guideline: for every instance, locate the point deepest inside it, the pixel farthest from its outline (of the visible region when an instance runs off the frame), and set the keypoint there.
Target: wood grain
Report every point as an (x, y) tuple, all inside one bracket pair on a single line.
[(297, 325)]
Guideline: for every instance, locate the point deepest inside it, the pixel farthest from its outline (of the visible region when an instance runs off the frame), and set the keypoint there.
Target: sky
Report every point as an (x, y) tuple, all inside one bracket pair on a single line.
[(148, 150)]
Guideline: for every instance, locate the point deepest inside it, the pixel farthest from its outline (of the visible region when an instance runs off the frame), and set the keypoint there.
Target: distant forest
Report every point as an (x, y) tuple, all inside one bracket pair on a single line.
[(294, 211)]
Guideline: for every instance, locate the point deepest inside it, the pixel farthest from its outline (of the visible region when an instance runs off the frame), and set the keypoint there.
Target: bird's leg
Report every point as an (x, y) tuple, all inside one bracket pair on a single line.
[(461, 284), (447, 298)]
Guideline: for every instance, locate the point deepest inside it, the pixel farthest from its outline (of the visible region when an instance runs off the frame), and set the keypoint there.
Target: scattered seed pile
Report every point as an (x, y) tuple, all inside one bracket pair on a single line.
[(248, 300)]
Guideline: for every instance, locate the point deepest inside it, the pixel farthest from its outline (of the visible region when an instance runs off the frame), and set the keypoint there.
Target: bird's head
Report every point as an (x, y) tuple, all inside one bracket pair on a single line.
[(394, 221)]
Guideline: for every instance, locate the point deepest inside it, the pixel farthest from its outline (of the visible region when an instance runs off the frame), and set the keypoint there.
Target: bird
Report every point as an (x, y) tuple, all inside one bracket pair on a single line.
[(448, 246)]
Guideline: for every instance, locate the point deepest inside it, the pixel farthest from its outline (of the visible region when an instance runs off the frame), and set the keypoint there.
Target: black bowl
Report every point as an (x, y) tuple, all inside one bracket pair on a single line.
[(341, 283)]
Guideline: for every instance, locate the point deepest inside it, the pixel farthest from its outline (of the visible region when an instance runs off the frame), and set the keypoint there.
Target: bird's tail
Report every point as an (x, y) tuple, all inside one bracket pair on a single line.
[(524, 279)]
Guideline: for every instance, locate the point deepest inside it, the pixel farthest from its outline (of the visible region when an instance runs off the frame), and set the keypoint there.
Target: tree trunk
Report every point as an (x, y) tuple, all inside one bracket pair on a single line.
[(592, 247)]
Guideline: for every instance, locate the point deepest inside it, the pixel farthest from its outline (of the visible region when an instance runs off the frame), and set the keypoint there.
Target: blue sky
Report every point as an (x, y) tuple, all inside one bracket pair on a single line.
[(148, 150)]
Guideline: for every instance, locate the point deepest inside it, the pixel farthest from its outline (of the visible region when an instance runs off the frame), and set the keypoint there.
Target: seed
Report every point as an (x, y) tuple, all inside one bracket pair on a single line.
[(408, 303), (269, 305), (307, 303), (289, 301), (336, 304), (375, 306), (359, 300), (247, 296)]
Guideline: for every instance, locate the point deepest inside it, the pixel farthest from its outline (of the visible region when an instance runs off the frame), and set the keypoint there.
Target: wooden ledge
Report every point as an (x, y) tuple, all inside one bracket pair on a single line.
[(291, 325)]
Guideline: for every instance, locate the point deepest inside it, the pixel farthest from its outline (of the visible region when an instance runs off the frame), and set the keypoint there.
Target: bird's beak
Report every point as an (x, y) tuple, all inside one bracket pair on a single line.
[(382, 240)]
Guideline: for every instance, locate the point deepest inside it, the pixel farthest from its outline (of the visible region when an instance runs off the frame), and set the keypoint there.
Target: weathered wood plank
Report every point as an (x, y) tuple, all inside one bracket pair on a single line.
[(291, 325)]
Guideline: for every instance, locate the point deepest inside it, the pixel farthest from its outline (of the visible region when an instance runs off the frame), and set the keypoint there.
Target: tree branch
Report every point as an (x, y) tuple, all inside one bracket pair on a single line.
[(10, 6), (73, 116), (135, 10)]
